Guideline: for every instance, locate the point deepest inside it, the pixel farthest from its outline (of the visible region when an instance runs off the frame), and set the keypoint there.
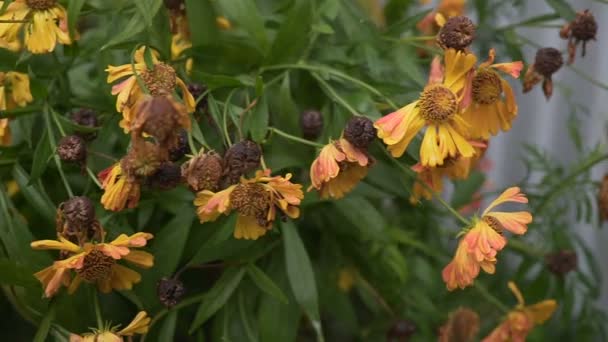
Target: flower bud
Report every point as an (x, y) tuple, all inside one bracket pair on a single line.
[(584, 26), (170, 291), (561, 262), (401, 331), (457, 33), (241, 158), (181, 147), (311, 122), (72, 148), (203, 172), (85, 117), (360, 132), (167, 176), (548, 61)]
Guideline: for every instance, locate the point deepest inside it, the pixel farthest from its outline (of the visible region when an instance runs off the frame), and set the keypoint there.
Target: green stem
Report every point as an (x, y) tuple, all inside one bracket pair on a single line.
[(51, 135), (225, 116), (333, 94), (376, 295), (138, 78), (94, 178), (490, 297), (294, 138), (98, 315)]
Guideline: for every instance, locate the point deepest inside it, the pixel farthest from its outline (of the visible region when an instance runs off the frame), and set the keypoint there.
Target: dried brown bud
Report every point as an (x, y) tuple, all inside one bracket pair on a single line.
[(401, 331), (167, 176), (462, 326), (181, 148), (85, 117), (561, 262), (584, 26), (203, 172), (548, 61), (457, 33), (72, 148), (170, 291), (161, 117), (360, 132), (197, 90), (603, 199), (241, 158), (78, 213), (311, 122)]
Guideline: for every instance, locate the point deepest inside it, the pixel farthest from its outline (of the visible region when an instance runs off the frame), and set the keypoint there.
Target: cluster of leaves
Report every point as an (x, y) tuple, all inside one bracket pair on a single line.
[(290, 56)]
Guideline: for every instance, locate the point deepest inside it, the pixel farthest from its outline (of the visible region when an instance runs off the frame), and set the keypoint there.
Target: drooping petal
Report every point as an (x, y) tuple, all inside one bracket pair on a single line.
[(52, 278), (62, 244), (512, 194), (515, 222), (512, 68), (436, 73), (136, 240), (326, 166), (248, 228), (211, 205), (462, 270), (352, 153), (140, 258), (139, 325), (457, 65), (122, 278)]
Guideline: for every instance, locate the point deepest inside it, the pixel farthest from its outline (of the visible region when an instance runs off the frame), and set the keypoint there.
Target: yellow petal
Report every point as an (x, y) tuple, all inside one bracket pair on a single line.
[(139, 325), (248, 228)]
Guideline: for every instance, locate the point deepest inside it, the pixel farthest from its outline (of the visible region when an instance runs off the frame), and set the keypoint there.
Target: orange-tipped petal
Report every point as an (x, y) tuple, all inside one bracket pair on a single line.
[(512, 194), (515, 222), (512, 68)]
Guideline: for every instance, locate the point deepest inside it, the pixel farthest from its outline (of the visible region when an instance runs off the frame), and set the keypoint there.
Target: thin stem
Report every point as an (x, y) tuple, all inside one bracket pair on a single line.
[(102, 155), (242, 116), (51, 137), (225, 116), (97, 309), (332, 93), (524, 248), (94, 178), (490, 297), (376, 295), (294, 138), (57, 123), (12, 21)]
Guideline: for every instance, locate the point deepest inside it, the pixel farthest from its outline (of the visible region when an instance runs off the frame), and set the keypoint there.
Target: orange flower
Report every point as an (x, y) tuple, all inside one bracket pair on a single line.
[(120, 191), (488, 112), (338, 168), (522, 319), (139, 325), (94, 263), (480, 244), (256, 201)]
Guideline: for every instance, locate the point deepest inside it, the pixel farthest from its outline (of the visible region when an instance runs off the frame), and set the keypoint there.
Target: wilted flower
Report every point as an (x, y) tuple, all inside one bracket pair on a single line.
[(360, 132), (522, 319), (45, 24), (73, 149), (339, 167), (14, 91), (439, 108), (462, 326), (488, 112), (582, 29), (255, 200), (311, 122), (455, 33), (139, 325), (480, 244), (120, 190), (447, 9), (561, 262), (76, 220), (203, 171), (94, 263), (547, 62), (240, 158), (161, 80)]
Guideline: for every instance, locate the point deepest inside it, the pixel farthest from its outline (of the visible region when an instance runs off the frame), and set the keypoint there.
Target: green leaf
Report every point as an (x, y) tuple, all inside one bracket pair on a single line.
[(45, 325), (363, 215), (257, 120), (247, 15), (301, 276), (265, 283), (259, 86), (74, 8), (35, 196), (67, 123), (41, 157), (133, 27), (222, 81), (12, 273), (297, 24), (217, 296), (148, 58), (167, 330), (563, 9), (202, 22), (148, 9), (287, 114)]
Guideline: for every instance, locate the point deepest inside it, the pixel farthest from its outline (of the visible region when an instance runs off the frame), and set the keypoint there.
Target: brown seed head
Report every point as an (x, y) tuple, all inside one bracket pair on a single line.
[(487, 87), (251, 200), (437, 104), (40, 5), (96, 266), (72, 148), (167, 176), (548, 61), (584, 26), (203, 172), (241, 158), (561, 262), (161, 80), (493, 223), (170, 291), (311, 122), (360, 132), (142, 160), (457, 33)]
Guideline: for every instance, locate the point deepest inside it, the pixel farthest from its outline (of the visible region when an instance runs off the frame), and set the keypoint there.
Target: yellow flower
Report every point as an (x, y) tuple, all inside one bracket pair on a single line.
[(488, 112), (46, 24), (162, 80), (338, 169), (180, 39), (120, 191), (347, 277), (480, 245), (139, 325), (94, 263), (14, 92), (522, 319), (255, 200), (439, 109)]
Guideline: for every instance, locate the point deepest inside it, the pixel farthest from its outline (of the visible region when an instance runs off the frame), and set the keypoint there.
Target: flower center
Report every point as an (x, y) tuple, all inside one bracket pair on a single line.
[(251, 200), (161, 80), (96, 266), (438, 104), (40, 4), (486, 86), (493, 223)]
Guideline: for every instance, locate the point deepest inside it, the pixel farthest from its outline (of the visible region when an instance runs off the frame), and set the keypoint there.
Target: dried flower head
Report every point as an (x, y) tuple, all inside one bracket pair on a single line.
[(561, 262), (170, 291), (88, 118), (457, 33), (167, 176), (161, 117), (401, 331), (311, 122), (203, 171), (547, 62), (582, 29), (76, 215), (72, 149), (143, 159), (360, 132), (462, 326), (240, 158), (181, 147)]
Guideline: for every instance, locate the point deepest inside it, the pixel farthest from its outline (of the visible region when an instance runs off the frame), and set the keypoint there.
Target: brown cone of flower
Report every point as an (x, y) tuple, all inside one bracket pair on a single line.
[(167, 176), (240, 158), (462, 326), (143, 159), (547, 62), (96, 266), (88, 118), (170, 291), (582, 29), (602, 199), (203, 172), (72, 149), (161, 117), (457, 33), (401, 331), (311, 122), (561, 262), (252, 200), (360, 132)]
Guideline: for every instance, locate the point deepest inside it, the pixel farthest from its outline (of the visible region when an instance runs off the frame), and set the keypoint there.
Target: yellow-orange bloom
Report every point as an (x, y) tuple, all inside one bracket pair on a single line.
[(161, 80), (522, 319), (94, 263), (339, 167), (140, 325), (439, 109), (14, 92), (488, 112), (480, 244), (255, 200), (45, 24), (180, 39), (120, 191)]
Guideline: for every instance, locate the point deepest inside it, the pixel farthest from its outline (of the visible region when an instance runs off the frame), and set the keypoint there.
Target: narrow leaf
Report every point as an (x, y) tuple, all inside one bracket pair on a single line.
[(45, 325), (41, 157), (148, 9), (562, 8), (167, 330), (299, 19), (74, 8), (265, 283), (133, 27)]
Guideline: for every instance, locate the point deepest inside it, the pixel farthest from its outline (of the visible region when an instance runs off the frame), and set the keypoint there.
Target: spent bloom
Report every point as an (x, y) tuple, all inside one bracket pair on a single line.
[(94, 263), (14, 92), (582, 29), (522, 319), (488, 112), (480, 244), (255, 200), (120, 190), (44, 24), (139, 325), (439, 109), (546, 63)]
